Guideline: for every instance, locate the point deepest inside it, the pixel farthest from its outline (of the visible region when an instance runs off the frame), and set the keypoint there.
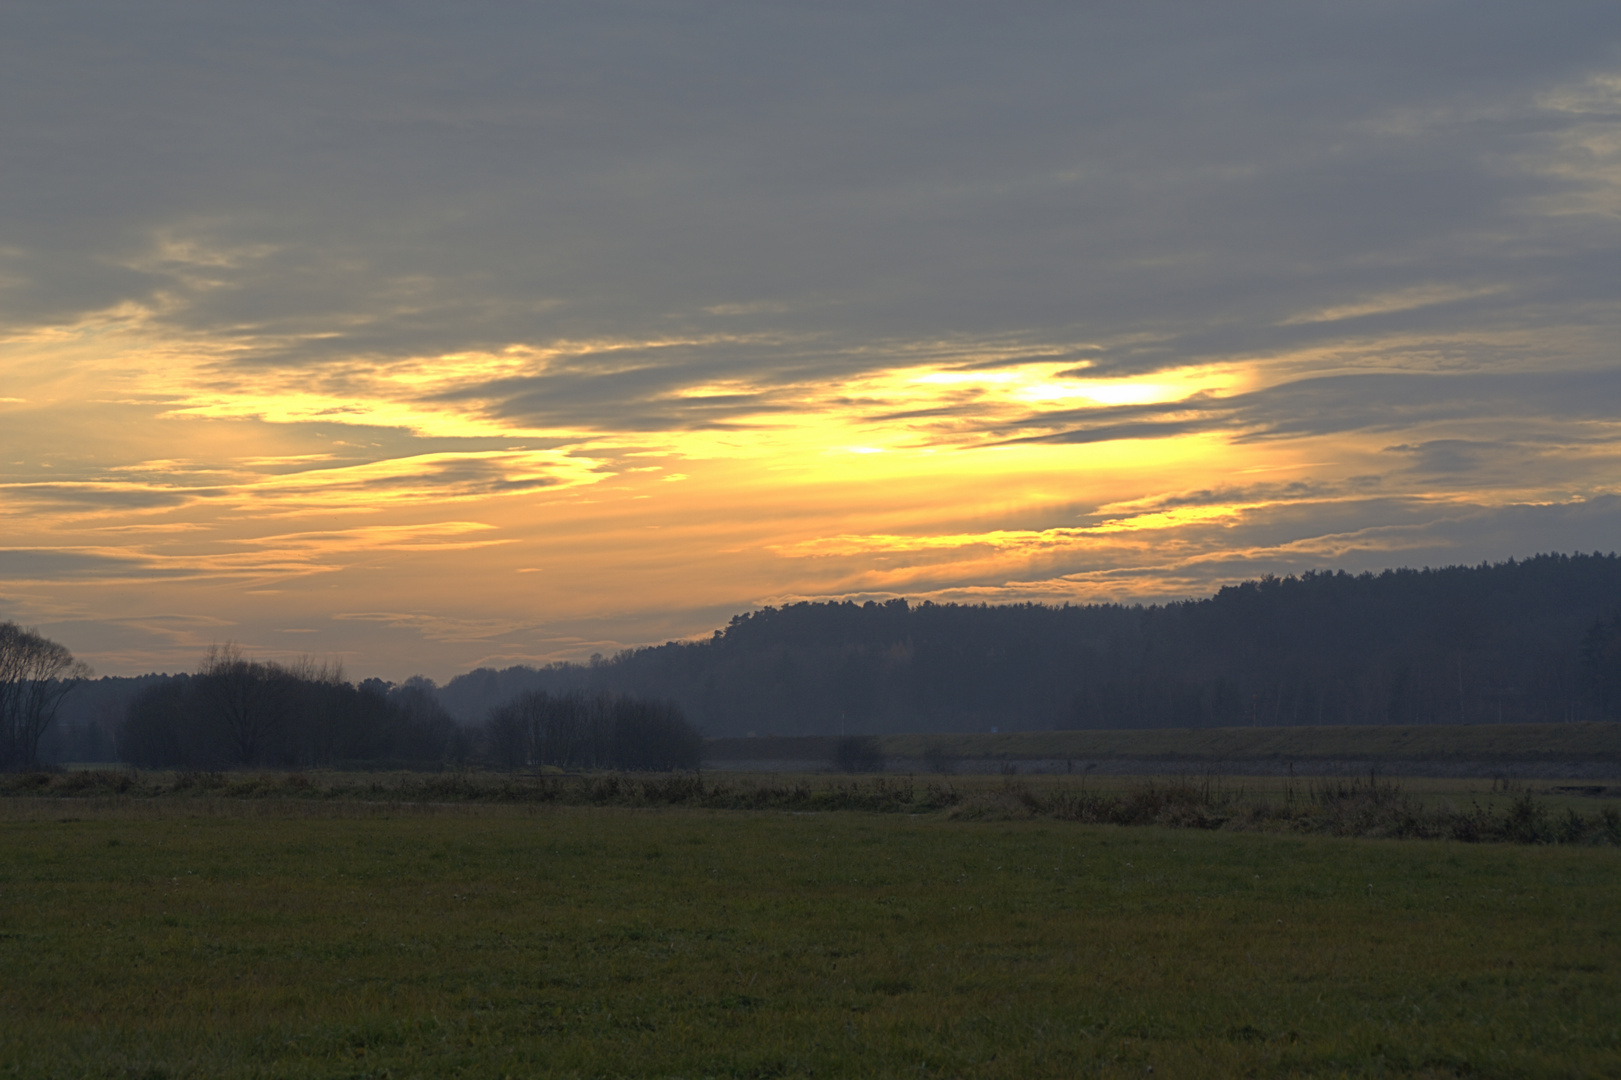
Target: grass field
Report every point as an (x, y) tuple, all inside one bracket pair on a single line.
[(1585, 742), (294, 937)]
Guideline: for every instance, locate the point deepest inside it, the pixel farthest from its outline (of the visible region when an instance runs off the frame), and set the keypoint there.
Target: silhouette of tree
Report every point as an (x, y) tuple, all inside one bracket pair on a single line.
[(161, 728), (35, 674), (1601, 659), (238, 712), (247, 701), (578, 730)]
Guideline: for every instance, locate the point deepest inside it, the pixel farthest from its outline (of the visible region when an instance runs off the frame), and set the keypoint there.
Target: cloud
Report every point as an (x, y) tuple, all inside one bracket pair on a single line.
[(267, 558), (302, 314), (667, 167), (1406, 300), (1156, 556), (754, 307), (54, 564), (440, 478), (103, 495), (297, 483), (435, 536), (436, 627), (1446, 457), (133, 565), (1545, 401)]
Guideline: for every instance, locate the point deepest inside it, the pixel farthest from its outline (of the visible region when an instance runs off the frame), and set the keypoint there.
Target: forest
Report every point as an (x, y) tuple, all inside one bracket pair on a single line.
[(1529, 641), (1534, 640), (235, 712)]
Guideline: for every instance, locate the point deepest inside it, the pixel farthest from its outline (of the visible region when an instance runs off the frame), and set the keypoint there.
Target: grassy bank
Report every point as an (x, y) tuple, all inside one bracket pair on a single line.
[(283, 937), (1588, 742)]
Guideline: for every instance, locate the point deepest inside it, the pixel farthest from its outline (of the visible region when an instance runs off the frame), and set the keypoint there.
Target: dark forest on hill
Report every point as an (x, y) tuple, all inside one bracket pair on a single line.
[(1537, 640)]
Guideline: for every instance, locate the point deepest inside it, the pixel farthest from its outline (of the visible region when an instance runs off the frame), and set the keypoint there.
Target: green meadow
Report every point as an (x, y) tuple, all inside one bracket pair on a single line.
[(283, 936)]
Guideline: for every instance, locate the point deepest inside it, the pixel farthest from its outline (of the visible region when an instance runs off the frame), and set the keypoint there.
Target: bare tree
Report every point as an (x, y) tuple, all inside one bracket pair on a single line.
[(316, 697), (507, 734), (248, 700), (35, 674), (592, 731)]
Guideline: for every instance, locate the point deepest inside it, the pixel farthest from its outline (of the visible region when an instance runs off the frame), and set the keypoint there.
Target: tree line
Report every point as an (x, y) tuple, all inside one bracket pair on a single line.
[(578, 730), (240, 712), (1535, 640), (1531, 640), (236, 711)]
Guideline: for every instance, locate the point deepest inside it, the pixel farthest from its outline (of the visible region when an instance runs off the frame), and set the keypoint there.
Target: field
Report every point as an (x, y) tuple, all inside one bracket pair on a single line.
[(284, 936)]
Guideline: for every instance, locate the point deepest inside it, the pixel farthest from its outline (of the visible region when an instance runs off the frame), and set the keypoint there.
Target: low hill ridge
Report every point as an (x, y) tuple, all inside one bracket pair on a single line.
[(1524, 641)]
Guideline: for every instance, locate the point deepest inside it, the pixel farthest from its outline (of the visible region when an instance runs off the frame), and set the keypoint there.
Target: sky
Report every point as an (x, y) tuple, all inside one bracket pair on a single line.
[(425, 336)]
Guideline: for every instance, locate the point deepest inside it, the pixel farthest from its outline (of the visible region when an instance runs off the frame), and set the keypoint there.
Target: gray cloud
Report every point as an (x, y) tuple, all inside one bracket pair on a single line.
[(1392, 401), (631, 389), (1529, 401), (1451, 457), (101, 496), (342, 182), (58, 564), (461, 477)]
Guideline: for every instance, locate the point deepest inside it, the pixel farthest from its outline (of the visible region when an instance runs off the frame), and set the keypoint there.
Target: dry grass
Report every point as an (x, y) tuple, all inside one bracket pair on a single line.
[(1368, 807)]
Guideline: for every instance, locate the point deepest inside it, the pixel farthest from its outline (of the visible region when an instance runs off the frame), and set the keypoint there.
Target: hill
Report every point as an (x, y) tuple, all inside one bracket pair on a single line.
[(1532, 641)]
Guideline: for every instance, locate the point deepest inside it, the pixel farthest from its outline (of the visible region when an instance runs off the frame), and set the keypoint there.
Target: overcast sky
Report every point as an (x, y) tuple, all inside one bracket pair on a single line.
[(428, 336)]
